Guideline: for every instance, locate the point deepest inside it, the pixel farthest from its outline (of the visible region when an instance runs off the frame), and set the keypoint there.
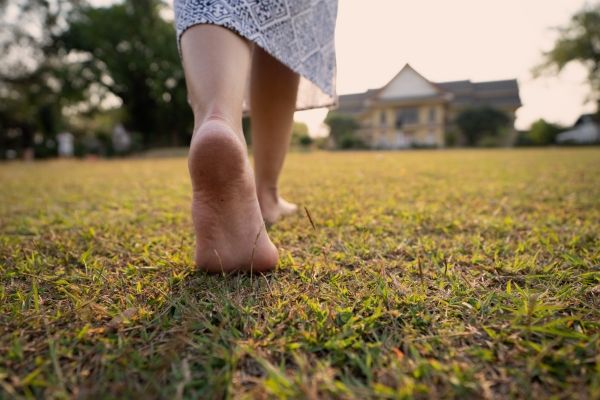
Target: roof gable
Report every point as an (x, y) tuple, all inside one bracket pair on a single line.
[(408, 83)]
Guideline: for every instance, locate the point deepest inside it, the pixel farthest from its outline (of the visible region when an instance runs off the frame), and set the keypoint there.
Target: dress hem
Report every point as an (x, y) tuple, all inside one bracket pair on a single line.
[(333, 97)]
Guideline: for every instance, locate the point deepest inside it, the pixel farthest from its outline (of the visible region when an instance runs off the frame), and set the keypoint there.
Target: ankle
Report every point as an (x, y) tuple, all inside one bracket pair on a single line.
[(215, 113), (267, 193)]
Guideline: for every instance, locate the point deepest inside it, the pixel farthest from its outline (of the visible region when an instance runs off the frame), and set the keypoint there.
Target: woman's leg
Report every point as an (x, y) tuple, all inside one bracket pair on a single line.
[(273, 90), (230, 232)]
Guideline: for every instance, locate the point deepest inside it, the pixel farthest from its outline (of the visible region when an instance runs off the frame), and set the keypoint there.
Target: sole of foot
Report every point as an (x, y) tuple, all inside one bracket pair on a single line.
[(230, 232)]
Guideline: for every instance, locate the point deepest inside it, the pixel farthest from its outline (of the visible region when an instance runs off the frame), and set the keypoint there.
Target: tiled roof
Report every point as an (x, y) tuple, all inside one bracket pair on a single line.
[(504, 93), (353, 103)]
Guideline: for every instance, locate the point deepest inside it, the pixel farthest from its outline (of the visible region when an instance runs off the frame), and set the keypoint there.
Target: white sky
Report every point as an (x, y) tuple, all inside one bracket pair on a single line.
[(455, 40)]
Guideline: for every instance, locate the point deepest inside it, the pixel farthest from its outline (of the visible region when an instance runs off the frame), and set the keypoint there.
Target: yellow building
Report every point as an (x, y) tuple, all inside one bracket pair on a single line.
[(412, 111)]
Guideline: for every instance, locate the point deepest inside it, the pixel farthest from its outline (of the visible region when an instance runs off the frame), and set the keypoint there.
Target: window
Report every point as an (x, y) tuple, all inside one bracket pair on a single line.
[(407, 116), (432, 114), (382, 119)]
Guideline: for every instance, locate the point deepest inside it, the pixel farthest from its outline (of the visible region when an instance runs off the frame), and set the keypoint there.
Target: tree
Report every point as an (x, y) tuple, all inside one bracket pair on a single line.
[(481, 126), (129, 50), (579, 42), (543, 133), (300, 136), (34, 80), (342, 130)]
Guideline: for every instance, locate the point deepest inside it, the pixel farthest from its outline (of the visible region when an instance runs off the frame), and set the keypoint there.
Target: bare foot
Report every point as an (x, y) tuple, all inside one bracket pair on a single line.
[(230, 232), (273, 207)]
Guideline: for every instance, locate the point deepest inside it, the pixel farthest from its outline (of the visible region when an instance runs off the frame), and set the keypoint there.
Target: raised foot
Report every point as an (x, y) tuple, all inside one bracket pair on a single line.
[(273, 207), (230, 232)]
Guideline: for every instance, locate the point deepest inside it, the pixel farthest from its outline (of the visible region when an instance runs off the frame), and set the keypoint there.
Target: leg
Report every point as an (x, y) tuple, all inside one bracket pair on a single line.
[(273, 89), (230, 232)]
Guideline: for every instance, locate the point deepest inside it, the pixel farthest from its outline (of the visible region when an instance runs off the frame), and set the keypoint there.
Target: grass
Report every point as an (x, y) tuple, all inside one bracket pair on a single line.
[(458, 274)]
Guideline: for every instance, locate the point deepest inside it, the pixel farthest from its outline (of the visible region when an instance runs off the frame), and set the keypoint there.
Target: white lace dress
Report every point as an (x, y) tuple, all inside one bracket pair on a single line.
[(298, 33)]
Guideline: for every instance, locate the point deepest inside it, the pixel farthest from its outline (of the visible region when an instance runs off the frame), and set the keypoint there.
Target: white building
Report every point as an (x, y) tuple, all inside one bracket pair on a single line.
[(585, 131)]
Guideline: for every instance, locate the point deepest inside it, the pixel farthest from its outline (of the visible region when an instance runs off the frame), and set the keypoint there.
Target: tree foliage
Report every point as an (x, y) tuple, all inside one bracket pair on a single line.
[(129, 50), (300, 135), (543, 133), (342, 130), (34, 79), (64, 61), (479, 125), (579, 42)]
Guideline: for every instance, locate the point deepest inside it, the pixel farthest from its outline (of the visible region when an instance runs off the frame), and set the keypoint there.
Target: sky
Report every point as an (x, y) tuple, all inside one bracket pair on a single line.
[(455, 40)]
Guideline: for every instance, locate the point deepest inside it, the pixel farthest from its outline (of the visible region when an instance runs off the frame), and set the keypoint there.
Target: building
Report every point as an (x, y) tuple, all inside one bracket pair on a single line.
[(585, 131), (412, 111)]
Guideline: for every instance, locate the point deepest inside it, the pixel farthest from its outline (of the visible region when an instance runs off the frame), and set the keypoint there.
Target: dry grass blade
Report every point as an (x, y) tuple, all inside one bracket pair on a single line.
[(310, 219)]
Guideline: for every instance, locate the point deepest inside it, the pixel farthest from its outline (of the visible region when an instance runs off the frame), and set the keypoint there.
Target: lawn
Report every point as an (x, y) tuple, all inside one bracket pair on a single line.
[(427, 274)]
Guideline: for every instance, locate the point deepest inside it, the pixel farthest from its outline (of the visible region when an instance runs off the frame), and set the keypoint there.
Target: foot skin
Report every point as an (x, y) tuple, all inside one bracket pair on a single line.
[(230, 232), (273, 207)]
